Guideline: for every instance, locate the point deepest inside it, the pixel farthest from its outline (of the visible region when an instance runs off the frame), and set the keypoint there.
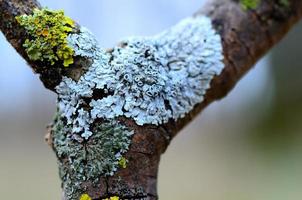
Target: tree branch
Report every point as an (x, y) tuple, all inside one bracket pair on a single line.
[(16, 35), (246, 36)]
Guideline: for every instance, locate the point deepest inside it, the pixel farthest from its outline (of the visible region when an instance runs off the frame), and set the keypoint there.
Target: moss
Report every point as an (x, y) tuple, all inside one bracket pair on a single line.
[(249, 4), (86, 162), (48, 31)]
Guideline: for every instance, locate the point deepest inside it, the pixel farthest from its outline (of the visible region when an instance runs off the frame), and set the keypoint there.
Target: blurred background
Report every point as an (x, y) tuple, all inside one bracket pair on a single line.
[(244, 147)]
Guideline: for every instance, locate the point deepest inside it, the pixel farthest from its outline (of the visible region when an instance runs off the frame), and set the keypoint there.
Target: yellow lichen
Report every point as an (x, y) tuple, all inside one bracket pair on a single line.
[(85, 197), (48, 31), (112, 198), (123, 162)]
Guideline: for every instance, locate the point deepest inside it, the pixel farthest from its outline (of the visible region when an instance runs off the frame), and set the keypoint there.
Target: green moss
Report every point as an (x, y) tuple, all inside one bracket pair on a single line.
[(48, 31), (249, 4), (85, 162)]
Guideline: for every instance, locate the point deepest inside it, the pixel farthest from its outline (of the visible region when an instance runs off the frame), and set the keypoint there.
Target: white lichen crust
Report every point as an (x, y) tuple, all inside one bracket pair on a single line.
[(149, 80)]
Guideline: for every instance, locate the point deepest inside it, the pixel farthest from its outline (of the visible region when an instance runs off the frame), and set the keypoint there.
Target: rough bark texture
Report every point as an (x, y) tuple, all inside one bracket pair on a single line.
[(247, 35)]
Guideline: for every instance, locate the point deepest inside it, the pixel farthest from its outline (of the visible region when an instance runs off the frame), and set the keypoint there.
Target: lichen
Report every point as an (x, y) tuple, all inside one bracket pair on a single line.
[(85, 197), (123, 162), (85, 44), (48, 31), (86, 162), (112, 198), (249, 4), (149, 80)]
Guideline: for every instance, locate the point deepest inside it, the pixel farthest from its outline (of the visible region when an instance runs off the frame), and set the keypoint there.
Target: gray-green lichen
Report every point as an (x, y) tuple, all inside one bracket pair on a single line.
[(85, 162), (149, 80)]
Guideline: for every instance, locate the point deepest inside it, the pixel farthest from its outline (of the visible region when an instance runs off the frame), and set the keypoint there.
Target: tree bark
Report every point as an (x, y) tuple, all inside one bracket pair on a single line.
[(246, 35)]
